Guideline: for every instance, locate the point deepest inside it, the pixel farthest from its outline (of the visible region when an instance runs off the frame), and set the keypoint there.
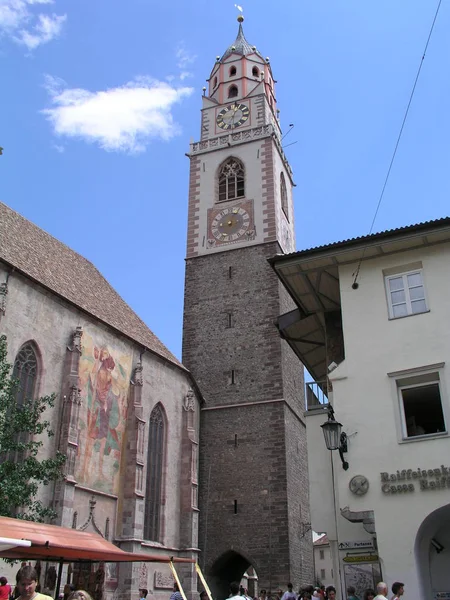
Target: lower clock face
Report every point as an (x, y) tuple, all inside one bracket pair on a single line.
[(230, 224)]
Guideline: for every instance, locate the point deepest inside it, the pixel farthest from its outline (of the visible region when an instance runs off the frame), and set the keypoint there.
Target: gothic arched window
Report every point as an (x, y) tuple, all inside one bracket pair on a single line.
[(155, 462), (231, 180), (284, 198), (25, 371), (255, 72), (232, 71), (232, 91)]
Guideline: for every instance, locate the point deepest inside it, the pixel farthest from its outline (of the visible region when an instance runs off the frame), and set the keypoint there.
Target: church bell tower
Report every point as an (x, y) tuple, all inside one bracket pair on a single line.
[(253, 479)]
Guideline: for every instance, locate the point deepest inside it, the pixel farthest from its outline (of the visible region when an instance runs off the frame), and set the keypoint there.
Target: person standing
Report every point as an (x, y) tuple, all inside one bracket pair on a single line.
[(369, 594), (27, 581), (351, 593), (398, 589), (5, 589), (382, 591), (143, 593), (234, 591), (176, 595), (289, 595), (331, 592)]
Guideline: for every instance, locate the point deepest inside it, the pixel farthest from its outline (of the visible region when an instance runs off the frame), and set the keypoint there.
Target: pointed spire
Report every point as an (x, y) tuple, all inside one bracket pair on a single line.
[(240, 45)]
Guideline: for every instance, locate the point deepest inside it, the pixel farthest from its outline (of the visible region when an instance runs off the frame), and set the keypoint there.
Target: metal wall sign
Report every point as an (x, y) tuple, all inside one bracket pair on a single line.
[(360, 558), (357, 545)]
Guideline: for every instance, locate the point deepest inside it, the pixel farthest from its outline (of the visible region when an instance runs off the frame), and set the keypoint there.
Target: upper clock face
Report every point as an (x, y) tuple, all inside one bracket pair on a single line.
[(233, 116), (230, 224)]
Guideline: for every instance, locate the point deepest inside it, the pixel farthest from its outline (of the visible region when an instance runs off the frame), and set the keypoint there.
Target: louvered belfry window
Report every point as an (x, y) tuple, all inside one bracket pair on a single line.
[(231, 180), (156, 441)]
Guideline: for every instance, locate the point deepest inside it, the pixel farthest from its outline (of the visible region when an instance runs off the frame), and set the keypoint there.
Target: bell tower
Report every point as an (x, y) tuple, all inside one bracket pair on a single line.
[(253, 479)]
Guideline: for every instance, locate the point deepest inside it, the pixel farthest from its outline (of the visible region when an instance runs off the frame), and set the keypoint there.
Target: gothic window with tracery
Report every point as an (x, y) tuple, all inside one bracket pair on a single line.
[(284, 198), (154, 488), (25, 372), (231, 180)]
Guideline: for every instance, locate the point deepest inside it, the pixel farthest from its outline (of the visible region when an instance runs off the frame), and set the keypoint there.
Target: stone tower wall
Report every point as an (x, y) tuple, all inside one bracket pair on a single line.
[(253, 494)]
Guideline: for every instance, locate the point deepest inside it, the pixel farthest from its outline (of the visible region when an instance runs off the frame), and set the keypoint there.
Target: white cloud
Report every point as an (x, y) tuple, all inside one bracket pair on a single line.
[(124, 118), (184, 58), (47, 28), (22, 22)]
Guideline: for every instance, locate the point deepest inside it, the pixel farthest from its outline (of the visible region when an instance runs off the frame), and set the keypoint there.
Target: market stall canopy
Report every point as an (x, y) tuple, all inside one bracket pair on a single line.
[(51, 542)]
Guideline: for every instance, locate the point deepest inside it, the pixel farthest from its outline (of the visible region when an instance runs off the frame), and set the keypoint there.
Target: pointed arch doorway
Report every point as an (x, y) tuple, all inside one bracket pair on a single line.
[(232, 566)]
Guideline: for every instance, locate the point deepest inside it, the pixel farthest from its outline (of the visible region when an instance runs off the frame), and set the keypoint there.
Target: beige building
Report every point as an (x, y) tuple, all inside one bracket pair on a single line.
[(126, 412), (323, 562), (372, 328)]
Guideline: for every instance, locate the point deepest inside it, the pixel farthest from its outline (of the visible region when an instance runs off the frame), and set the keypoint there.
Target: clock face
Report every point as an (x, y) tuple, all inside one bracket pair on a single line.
[(230, 224), (359, 485), (233, 116)]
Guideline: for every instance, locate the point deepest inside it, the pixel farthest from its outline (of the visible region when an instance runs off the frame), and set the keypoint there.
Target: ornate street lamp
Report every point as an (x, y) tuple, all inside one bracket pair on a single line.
[(335, 438)]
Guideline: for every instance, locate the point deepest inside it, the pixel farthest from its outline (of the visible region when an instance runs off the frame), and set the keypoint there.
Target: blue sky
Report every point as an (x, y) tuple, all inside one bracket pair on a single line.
[(100, 99)]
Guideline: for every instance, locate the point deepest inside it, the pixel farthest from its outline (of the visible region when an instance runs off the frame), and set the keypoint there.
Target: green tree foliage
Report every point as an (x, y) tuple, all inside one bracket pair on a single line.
[(22, 428)]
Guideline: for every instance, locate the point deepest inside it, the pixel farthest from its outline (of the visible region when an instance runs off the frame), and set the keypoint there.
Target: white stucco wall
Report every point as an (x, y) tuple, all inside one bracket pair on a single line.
[(366, 402)]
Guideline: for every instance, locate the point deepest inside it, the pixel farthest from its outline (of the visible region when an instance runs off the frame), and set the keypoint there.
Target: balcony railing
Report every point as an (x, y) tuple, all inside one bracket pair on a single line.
[(316, 394)]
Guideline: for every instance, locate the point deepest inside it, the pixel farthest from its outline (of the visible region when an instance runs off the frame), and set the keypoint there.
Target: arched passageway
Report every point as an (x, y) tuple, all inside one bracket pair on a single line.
[(432, 551), (230, 566)]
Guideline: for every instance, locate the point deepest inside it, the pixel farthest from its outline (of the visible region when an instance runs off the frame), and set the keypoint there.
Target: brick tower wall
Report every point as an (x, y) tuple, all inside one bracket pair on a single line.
[(253, 453)]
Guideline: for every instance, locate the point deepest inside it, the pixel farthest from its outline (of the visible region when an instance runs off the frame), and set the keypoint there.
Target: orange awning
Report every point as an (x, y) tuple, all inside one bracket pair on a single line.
[(51, 542)]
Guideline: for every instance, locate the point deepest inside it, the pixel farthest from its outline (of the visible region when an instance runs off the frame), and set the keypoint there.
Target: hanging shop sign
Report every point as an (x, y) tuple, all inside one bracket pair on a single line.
[(361, 558), (361, 545), (408, 480)]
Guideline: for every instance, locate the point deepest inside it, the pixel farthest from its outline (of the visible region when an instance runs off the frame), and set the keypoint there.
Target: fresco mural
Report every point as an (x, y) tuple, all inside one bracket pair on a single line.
[(104, 378)]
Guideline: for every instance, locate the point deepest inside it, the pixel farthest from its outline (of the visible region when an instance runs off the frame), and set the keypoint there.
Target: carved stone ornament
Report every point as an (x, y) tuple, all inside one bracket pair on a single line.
[(163, 581), (76, 340), (3, 294), (143, 575), (91, 518), (189, 401), (138, 377)]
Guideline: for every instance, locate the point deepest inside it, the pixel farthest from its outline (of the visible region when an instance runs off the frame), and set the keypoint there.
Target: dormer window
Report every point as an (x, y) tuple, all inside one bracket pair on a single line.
[(255, 72), (232, 71), (232, 91)]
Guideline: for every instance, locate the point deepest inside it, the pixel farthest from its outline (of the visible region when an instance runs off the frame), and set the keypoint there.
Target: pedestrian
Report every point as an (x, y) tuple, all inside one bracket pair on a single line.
[(382, 591), (263, 594), (176, 595), (203, 595), (143, 593), (331, 592), (5, 589), (398, 589), (234, 591), (369, 594), (351, 593), (27, 581), (80, 595), (289, 595)]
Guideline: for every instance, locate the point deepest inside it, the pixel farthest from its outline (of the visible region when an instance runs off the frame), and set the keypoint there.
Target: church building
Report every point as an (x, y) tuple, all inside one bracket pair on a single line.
[(126, 413), (253, 494)]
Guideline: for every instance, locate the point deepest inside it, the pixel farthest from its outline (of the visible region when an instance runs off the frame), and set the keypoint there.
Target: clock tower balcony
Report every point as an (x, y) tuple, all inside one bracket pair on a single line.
[(236, 138)]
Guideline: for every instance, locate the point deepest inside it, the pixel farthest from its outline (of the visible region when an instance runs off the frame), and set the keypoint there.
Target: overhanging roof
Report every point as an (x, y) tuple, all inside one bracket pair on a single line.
[(312, 278), (51, 542)]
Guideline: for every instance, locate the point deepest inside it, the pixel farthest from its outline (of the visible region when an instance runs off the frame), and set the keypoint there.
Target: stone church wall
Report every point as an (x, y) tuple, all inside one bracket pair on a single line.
[(105, 487)]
